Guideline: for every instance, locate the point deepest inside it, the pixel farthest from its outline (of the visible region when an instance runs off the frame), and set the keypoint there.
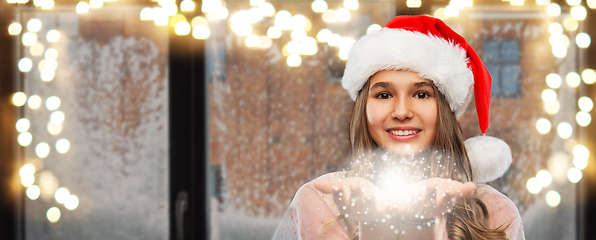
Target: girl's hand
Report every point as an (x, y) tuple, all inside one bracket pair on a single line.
[(421, 202)]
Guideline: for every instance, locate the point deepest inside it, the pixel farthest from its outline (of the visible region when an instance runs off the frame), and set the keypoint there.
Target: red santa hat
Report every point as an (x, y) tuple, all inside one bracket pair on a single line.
[(429, 47)]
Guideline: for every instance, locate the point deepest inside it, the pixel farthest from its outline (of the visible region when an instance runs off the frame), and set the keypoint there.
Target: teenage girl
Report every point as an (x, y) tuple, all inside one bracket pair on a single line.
[(412, 175)]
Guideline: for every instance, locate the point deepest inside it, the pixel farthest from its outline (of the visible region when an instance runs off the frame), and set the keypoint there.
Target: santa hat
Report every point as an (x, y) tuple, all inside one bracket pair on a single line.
[(429, 47)]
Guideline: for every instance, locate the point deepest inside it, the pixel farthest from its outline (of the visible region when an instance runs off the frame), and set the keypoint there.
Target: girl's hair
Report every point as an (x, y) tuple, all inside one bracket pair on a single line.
[(469, 217)]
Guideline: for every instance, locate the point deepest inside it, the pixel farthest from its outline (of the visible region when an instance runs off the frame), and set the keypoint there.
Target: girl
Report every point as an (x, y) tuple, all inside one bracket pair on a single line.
[(412, 175)]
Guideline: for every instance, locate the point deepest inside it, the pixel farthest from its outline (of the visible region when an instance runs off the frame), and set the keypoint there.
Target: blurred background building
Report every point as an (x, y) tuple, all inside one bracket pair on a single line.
[(200, 119)]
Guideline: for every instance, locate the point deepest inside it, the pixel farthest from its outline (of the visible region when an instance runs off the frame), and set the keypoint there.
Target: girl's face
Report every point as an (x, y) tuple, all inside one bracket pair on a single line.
[(402, 111)]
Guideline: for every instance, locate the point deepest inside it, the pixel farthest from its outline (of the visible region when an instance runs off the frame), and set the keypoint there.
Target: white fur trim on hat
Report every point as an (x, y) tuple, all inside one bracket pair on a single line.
[(433, 58), (490, 157)]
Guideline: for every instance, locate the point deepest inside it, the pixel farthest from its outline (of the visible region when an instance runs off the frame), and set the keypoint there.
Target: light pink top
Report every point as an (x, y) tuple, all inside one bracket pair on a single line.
[(310, 209)]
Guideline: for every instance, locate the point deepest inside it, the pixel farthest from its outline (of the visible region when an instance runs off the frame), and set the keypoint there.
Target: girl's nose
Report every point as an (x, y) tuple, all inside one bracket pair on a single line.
[(402, 111)]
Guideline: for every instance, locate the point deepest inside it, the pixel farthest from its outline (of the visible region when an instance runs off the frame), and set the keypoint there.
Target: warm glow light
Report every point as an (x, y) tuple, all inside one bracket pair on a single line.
[(33, 192), (274, 32), (27, 170), (283, 20), (334, 40), (451, 11), (574, 2), (252, 40), (343, 15), (583, 40), (544, 177), (299, 21), (198, 20), (34, 25), (265, 42), (543, 125), (61, 194), (553, 80), (553, 10), (222, 13), (51, 54), (176, 19), (25, 64), (57, 117), (573, 79), (549, 96), (294, 47), (34, 102), (210, 5), (36, 49), (517, 2), (255, 3), (54, 129), (574, 175), (294, 60), (553, 198), (585, 104), (589, 76), (53, 103), (556, 39), (201, 32), (579, 12), (47, 75), (570, 24), (62, 146), (552, 108), (19, 99), (53, 214), (267, 10), (187, 6), (72, 202), (560, 51), (581, 154), (82, 8), (309, 46), (564, 130), (329, 16), (533, 185), (298, 35), (95, 4), (15, 28), (254, 15), (28, 181), (53, 36), (42, 150), (413, 3), (440, 14), (160, 18), (49, 4), (542, 2), (351, 4), (319, 6), (324, 35), (23, 125), (373, 28), (592, 4), (170, 8), (555, 28), (25, 139), (182, 28), (29, 38), (583, 118)]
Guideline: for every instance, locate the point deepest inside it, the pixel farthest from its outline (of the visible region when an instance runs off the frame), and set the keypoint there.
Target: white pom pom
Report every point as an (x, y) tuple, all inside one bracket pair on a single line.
[(490, 157)]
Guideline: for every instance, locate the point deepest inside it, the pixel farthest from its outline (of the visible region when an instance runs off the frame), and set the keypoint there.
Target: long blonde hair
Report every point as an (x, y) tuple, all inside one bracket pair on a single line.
[(469, 217)]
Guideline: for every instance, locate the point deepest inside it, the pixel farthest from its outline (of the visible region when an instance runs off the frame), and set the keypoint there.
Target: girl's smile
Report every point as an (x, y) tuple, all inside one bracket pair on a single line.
[(401, 111)]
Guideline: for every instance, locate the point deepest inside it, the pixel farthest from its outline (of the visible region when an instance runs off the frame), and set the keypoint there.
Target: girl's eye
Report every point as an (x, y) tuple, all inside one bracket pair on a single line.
[(383, 95), (422, 95)]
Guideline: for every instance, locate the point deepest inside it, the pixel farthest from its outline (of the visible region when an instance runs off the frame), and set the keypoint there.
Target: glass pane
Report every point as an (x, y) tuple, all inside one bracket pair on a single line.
[(510, 51), (490, 51), (495, 73), (510, 79), (99, 125)]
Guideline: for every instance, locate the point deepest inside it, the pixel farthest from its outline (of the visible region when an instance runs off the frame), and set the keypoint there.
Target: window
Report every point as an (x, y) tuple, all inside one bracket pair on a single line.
[(501, 58)]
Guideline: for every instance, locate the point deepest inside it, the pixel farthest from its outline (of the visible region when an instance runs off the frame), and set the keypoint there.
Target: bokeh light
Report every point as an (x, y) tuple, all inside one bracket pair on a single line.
[(201, 32), (53, 103), (182, 28), (24, 139), (252, 41), (34, 102), (343, 15), (585, 104), (573, 79), (574, 175), (583, 40), (34, 25), (15, 28), (82, 8), (62, 146), (294, 60), (25, 65), (54, 129), (589, 76), (583, 118), (71, 202), (543, 125), (552, 108), (53, 214), (319, 6), (564, 130), (42, 150), (549, 96), (57, 117), (570, 24), (555, 28), (33, 192), (53, 36), (19, 99), (324, 35), (533, 185), (23, 125), (578, 12), (27, 170), (352, 4), (553, 198), (553, 10), (553, 80)]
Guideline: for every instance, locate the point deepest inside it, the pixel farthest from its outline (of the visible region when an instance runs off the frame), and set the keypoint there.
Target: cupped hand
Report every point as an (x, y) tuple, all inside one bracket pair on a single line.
[(361, 200)]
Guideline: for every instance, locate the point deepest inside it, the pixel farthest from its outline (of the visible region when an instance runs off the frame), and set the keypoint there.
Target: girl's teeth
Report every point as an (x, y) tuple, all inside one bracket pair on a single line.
[(404, 133)]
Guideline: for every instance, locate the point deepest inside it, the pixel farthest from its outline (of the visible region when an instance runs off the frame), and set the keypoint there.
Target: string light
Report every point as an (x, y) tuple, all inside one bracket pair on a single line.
[(343, 15), (299, 21), (24, 139), (252, 40), (574, 2), (553, 10), (54, 129), (29, 38), (549, 96), (552, 108), (589, 76), (82, 8), (267, 10), (553, 198), (560, 51), (27, 170), (543, 125), (294, 60), (517, 2), (564, 130), (583, 40), (19, 99), (53, 214), (570, 24), (413, 3), (334, 40), (42, 150), (95, 4), (62, 146), (573, 79), (309, 46), (553, 80), (592, 4), (283, 20), (351, 4), (25, 65), (23, 125), (182, 28), (201, 32), (146, 14), (298, 35), (34, 102), (585, 104), (578, 12), (53, 36), (451, 11), (329, 16), (319, 6), (555, 28), (187, 6), (198, 20), (574, 175), (34, 25), (544, 177), (542, 2), (265, 42), (33, 192), (57, 117), (533, 185), (15, 28), (71, 202), (274, 32)]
